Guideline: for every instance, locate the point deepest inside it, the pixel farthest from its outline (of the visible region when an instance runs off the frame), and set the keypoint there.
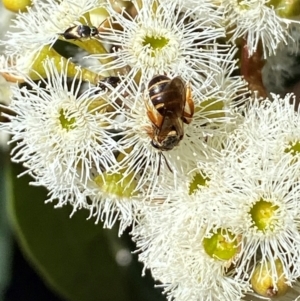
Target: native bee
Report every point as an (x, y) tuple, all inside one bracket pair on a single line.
[(110, 80), (81, 31), (169, 106)]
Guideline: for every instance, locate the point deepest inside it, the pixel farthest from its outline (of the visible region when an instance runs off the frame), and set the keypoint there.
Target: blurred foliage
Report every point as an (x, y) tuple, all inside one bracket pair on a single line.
[(74, 256), (5, 233)]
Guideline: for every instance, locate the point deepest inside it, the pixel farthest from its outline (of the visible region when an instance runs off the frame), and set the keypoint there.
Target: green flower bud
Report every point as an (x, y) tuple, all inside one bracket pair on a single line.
[(262, 280)]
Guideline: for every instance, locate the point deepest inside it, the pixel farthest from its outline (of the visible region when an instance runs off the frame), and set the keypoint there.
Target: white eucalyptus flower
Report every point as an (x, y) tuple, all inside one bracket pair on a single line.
[(113, 198), (262, 206), (256, 187), (14, 67), (206, 10), (59, 131), (43, 23), (271, 128), (255, 21), (171, 241), (162, 38), (211, 192)]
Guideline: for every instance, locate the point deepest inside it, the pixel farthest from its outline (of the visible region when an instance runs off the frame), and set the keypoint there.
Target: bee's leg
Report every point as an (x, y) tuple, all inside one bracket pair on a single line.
[(156, 118), (177, 123), (159, 163), (189, 106)]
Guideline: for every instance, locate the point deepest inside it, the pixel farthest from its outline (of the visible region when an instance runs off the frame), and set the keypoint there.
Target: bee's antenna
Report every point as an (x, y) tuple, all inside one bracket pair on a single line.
[(159, 162), (167, 163)]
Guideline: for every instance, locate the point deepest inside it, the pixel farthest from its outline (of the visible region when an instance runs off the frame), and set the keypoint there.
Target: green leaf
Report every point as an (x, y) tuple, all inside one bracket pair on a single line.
[(6, 241), (72, 254)]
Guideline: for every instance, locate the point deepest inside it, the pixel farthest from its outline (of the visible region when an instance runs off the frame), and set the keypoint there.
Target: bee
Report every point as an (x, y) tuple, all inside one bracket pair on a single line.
[(111, 80), (81, 31), (169, 106)]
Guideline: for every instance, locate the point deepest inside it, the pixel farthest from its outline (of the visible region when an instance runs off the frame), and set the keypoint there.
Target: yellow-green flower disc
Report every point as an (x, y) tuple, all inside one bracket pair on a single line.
[(211, 108), (197, 181), (262, 280), (293, 148), (155, 42), (262, 214), (66, 123), (222, 245), (117, 184)]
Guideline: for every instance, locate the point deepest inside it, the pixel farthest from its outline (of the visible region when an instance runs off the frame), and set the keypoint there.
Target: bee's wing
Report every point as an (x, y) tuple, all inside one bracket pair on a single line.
[(177, 92), (177, 84), (189, 107), (187, 101), (71, 33)]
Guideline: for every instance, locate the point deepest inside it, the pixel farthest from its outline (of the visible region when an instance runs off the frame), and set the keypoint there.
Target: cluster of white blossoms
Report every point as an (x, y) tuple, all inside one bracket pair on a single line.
[(142, 112)]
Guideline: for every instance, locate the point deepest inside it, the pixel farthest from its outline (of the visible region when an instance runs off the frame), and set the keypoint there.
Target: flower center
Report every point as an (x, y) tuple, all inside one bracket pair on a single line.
[(211, 108), (154, 47), (262, 214), (242, 5), (155, 43), (293, 148), (222, 245), (198, 181), (65, 121), (117, 184)]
